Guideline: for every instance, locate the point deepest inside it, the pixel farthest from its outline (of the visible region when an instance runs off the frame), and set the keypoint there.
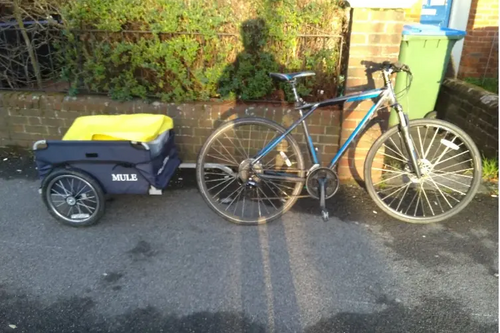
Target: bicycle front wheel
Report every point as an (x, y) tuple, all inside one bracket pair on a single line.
[(450, 167), (234, 186)]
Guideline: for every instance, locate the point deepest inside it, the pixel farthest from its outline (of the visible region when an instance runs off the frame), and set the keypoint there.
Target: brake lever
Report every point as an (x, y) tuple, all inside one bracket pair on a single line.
[(406, 69)]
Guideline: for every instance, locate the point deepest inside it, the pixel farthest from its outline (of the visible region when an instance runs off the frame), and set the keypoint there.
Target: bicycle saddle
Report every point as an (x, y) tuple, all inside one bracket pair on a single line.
[(290, 76)]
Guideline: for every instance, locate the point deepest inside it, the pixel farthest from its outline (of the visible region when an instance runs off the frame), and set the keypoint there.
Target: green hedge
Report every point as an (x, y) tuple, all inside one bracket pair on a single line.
[(184, 50)]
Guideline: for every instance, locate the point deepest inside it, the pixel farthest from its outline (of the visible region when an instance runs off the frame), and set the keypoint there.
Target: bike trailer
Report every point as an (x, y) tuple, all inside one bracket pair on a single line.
[(124, 153), (115, 154)]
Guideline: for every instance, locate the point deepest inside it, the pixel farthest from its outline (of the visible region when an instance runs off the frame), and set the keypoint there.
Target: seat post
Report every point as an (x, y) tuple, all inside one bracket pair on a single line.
[(297, 97)]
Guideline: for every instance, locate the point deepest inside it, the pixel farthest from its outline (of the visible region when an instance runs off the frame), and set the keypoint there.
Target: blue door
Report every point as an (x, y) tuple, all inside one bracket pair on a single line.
[(436, 12)]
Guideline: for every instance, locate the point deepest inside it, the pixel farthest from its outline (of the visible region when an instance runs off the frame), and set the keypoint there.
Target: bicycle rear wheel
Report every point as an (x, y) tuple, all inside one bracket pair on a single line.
[(238, 191), (449, 162)]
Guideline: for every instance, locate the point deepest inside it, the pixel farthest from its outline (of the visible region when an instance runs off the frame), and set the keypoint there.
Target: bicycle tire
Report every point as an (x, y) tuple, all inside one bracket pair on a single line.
[(455, 130), (200, 170), (89, 181)]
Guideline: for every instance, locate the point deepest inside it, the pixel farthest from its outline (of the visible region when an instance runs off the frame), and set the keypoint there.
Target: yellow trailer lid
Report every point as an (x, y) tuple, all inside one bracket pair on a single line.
[(141, 127)]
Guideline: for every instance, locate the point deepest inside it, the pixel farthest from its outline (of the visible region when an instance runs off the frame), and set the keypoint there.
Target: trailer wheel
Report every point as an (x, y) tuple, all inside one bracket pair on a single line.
[(73, 198)]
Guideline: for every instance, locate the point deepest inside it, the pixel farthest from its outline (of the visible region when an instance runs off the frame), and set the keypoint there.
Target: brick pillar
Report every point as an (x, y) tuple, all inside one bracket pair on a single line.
[(375, 37), (480, 52)]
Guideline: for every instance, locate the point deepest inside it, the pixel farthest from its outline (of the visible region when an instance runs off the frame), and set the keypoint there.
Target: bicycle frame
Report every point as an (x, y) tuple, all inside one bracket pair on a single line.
[(381, 93)]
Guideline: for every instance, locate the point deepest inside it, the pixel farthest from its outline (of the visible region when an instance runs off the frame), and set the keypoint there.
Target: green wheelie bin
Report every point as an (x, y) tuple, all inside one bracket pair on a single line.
[(426, 49)]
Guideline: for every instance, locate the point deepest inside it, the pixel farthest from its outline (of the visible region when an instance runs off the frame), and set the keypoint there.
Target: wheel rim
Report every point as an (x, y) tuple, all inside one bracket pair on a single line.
[(72, 198), (449, 170), (243, 196)]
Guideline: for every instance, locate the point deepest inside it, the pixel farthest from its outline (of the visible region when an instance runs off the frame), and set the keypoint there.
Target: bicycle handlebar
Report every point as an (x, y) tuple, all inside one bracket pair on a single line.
[(396, 67)]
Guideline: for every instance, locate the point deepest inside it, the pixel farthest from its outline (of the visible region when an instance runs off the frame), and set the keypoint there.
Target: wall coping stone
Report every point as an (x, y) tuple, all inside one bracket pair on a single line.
[(473, 93)]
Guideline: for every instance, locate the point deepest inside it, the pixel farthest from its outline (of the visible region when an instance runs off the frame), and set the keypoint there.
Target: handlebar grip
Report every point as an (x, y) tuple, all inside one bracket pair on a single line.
[(397, 66)]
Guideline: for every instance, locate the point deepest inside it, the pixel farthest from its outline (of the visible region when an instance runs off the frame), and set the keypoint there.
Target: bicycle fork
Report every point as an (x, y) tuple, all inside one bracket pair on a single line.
[(407, 139)]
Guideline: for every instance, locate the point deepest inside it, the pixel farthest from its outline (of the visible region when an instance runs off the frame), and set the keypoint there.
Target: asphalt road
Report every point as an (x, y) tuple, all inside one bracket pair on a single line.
[(169, 264)]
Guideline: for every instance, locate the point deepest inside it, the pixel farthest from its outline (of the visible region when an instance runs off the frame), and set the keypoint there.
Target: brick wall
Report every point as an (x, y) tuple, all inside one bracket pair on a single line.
[(480, 51), (473, 109), (375, 37), (28, 117)]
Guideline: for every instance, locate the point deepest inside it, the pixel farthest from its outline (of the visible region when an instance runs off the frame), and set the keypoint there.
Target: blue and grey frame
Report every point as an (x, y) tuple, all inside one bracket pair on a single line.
[(380, 95)]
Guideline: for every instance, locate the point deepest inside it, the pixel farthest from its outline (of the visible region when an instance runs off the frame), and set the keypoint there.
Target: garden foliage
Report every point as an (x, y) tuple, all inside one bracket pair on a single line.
[(185, 50)]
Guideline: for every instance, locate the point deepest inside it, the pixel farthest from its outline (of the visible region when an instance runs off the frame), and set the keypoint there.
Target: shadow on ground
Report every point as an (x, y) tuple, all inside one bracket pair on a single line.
[(473, 233), (398, 318), (20, 314), (76, 315)]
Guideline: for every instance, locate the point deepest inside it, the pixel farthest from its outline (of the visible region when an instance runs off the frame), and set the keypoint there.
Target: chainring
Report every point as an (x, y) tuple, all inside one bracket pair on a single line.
[(332, 182)]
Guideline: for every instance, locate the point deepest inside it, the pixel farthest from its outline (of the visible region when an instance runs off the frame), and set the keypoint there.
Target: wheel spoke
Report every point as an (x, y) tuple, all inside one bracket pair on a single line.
[(446, 150), (394, 168), (400, 188), (258, 203), (456, 173), (90, 209), (407, 209), (418, 200), (441, 192), (272, 190), (404, 194), (432, 161), (258, 189), (216, 180), (399, 152), (266, 166), (222, 182), (392, 171), (216, 173), (234, 179), (453, 180), (469, 160), (438, 201), (454, 190), (421, 202), (397, 196), (385, 180), (430, 144), (223, 159), (278, 186), (231, 156), (449, 158), (425, 195), (243, 205), (235, 145), (61, 185), (241, 145), (390, 156), (239, 189), (437, 148), (80, 191)]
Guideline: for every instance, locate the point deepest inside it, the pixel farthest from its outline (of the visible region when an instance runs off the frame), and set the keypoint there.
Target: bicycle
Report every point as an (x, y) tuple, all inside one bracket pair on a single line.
[(419, 171)]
